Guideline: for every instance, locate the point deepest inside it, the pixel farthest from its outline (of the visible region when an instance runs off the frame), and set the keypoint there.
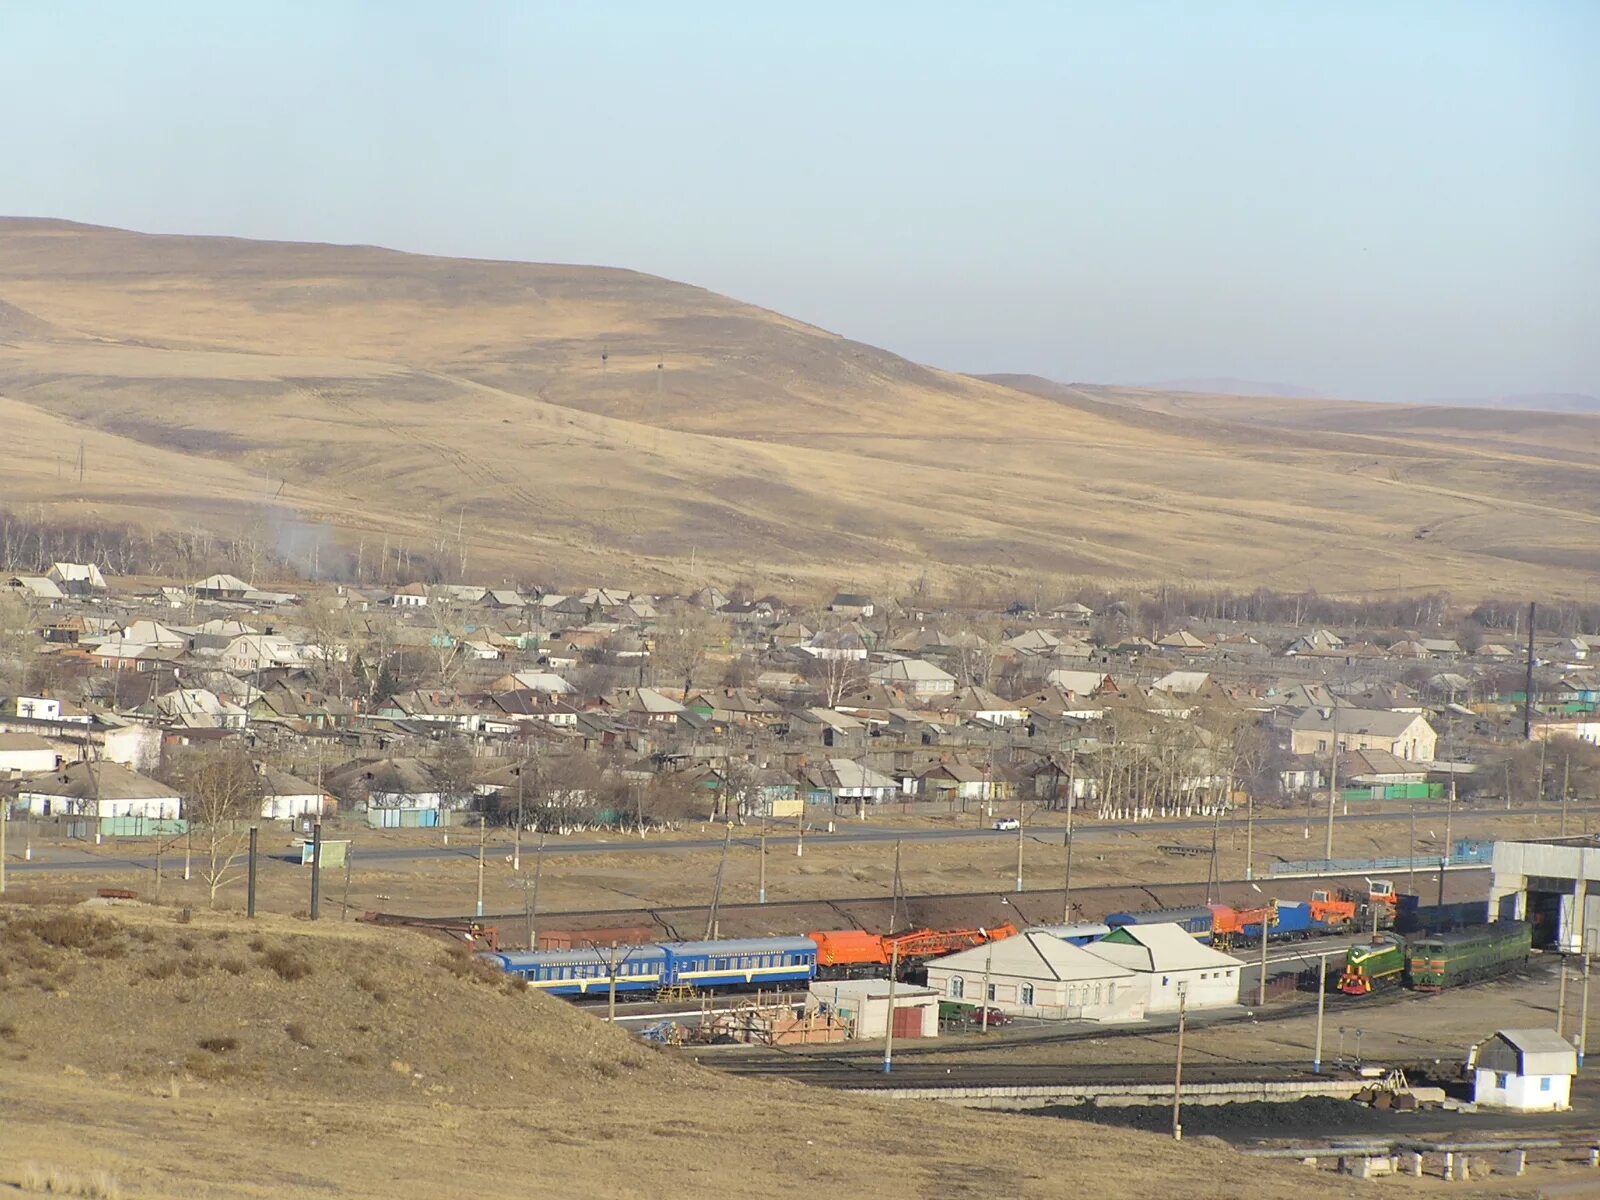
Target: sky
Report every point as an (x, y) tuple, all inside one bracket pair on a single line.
[(1390, 200)]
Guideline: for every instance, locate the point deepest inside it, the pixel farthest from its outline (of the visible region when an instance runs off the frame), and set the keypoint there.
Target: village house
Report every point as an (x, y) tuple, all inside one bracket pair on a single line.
[(921, 679), (77, 579), (852, 604), (26, 754), (1403, 734), (98, 789)]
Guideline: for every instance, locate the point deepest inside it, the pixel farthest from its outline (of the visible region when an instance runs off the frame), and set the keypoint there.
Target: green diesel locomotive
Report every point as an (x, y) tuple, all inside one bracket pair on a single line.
[(1434, 961)]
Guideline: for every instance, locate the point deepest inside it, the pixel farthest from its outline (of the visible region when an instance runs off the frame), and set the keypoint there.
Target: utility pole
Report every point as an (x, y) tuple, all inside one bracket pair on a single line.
[(1262, 998), (532, 905), (481, 833), (716, 889), (888, 1025), (1583, 1018), (1538, 798), (316, 870), (250, 881), (1561, 998), (898, 888), (1322, 1001), (5, 819), (349, 862), (1527, 687), (1333, 784), (988, 964), (1177, 1074), (1249, 834), (800, 832), (516, 840), (1411, 852), (1213, 874), (1566, 776), (611, 991), (1072, 803), (1019, 842), (761, 889)]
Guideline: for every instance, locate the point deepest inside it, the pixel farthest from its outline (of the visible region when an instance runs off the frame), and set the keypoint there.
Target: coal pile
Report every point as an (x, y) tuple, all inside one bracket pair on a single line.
[(1246, 1121)]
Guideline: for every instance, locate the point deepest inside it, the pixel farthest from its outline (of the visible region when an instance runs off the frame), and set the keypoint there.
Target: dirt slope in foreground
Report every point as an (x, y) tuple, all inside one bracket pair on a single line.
[(224, 1058)]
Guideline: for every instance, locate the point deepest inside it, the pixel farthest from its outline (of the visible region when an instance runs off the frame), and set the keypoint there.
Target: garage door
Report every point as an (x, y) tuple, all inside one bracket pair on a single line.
[(907, 1021)]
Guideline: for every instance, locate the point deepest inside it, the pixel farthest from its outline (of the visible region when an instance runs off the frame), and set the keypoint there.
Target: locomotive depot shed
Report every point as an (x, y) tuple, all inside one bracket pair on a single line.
[(1552, 883)]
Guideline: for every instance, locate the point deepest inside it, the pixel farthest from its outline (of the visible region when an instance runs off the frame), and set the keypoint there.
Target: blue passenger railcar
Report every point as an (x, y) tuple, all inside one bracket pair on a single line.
[(1079, 933), (587, 972), (741, 962), (1196, 919)]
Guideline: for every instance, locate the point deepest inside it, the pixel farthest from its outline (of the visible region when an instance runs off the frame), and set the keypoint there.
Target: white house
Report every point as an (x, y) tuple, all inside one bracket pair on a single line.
[(285, 797), (1166, 959), (102, 789), (1037, 975), (77, 578), (27, 754), (980, 704), (1527, 1069), (921, 679)]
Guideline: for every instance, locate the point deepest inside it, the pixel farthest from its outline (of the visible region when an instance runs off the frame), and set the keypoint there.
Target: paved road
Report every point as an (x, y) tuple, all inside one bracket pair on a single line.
[(55, 859)]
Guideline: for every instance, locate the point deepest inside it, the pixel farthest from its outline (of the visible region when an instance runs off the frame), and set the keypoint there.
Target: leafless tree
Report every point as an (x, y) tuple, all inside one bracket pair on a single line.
[(222, 797)]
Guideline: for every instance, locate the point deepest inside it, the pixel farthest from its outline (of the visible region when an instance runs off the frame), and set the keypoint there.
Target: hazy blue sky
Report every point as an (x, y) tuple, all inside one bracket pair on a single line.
[(1380, 200)]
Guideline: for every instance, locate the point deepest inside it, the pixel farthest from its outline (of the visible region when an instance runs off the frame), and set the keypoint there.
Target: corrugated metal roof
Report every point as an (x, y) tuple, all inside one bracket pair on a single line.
[(1529, 1052)]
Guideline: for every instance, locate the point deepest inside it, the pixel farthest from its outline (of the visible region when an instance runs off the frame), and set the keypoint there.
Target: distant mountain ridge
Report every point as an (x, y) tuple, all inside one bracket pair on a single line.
[(595, 424), (1233, 387), (1555, 402)]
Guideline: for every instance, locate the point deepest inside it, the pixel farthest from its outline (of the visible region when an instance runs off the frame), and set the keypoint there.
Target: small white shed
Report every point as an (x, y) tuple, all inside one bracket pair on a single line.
[(864, 1004), (1526, 1069), (1166, 957)]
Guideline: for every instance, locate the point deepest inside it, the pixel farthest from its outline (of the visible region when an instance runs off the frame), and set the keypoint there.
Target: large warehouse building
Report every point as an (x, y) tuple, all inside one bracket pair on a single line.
[(1554, 884)]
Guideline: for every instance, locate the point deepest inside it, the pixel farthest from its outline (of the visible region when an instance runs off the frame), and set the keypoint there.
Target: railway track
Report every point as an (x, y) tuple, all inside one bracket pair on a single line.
[(676, 921)]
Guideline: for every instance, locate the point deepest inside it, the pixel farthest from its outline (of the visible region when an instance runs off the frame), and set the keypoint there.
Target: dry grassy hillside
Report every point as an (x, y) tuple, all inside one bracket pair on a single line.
[(585, 422), (221, 1058)]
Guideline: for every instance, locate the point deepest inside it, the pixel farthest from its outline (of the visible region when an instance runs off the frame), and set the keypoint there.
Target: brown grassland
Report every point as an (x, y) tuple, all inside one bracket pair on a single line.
[(216, 383)]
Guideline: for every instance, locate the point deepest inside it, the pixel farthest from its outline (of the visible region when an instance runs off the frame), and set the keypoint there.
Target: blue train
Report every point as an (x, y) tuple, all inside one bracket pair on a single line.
[(1196, 919), (1079, 933), (743, 962)]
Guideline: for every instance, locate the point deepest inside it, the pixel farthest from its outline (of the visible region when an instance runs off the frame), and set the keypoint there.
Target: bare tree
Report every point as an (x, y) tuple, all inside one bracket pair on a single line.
[(222, 797)]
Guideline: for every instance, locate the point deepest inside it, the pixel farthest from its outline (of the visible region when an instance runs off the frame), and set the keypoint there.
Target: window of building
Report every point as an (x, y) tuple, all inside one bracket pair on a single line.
[(1027, 993), (1544, 1083), (958, 987), (991, 991), (1501, 1079)]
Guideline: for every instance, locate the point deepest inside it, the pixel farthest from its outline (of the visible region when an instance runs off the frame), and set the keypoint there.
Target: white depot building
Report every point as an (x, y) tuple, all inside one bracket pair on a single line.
[(1170, 964), (1554, 884), (1036, 974)]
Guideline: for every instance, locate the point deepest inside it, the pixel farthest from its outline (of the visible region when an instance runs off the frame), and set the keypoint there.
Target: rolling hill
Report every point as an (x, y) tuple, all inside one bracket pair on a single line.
[(584, 423)]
